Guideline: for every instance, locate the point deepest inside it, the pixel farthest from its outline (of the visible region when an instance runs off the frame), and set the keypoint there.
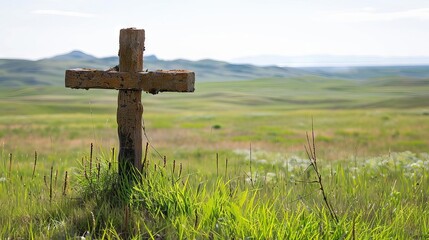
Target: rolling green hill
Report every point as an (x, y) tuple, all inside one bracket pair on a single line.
[(340, 87), (50, 71)]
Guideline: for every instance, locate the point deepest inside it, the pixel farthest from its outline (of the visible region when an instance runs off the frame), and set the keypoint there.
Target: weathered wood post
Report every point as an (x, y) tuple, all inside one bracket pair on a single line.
[(130, 109), (130, 81)]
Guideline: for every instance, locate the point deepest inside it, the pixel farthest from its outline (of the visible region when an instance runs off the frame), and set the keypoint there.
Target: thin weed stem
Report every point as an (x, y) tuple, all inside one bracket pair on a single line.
[(50, 185), (98, 171), (34, 165), (310, 149), (90, 161), (65, 185), (10, 163)]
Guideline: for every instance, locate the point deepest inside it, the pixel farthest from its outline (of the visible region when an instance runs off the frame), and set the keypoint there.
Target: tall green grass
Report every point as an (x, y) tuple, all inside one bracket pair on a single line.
[(262, 196)]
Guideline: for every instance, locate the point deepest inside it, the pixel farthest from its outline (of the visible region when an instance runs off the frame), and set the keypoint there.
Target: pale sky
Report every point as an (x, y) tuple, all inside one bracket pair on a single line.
[(219, 29)]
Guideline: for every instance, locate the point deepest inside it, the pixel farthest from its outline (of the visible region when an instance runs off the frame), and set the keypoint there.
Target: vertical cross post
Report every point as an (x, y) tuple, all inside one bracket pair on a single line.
[(130, 109)]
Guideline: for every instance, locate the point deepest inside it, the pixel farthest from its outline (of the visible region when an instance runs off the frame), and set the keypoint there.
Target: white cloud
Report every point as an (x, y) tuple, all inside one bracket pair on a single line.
[(63, 13), (369, 14)]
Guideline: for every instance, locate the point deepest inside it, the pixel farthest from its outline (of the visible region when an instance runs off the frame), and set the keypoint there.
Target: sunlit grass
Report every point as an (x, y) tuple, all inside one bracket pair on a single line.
[(372, 157), (340, 134), (382, 197)]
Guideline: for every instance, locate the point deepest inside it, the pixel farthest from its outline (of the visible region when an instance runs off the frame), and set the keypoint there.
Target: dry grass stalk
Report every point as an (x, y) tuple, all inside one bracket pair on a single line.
[(10, 163), (50, 185), (84, 172), (196, 219), (90, 161), (98, 171), (35, 163), (65, 185), (310, 149), (144, 160), (174, 166)]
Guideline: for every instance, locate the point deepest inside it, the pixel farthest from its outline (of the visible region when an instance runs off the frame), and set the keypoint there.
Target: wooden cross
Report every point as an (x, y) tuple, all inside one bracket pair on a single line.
[(130, 80)]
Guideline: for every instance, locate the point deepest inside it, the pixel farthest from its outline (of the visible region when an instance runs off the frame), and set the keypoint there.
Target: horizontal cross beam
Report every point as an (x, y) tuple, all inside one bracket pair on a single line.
[(152, 82)]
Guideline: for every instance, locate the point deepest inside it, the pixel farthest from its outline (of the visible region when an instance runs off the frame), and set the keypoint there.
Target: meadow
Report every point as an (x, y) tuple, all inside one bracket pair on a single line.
[(235, 164)]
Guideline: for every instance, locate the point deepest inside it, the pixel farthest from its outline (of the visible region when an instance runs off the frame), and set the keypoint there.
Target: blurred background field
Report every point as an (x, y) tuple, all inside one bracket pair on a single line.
[(351, 117)]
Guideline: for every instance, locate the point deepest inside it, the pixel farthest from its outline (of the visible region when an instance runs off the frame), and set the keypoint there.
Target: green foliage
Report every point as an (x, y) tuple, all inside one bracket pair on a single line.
[(382, 197)]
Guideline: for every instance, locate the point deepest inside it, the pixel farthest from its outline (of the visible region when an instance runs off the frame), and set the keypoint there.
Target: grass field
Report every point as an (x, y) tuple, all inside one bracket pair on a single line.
[(350, 118), (371, 137)]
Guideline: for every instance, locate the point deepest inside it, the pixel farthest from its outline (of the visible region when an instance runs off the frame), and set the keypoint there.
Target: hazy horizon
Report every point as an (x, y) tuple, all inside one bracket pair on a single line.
[(319, 60)]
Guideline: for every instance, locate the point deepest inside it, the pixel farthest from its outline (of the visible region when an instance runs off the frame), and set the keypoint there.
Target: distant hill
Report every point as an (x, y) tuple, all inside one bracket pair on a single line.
[(74, 55), (50, 71)]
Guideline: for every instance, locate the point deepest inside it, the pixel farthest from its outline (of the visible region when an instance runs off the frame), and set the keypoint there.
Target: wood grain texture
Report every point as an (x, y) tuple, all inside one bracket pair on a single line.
[(131, 47), (152, 82), (130, 108)]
